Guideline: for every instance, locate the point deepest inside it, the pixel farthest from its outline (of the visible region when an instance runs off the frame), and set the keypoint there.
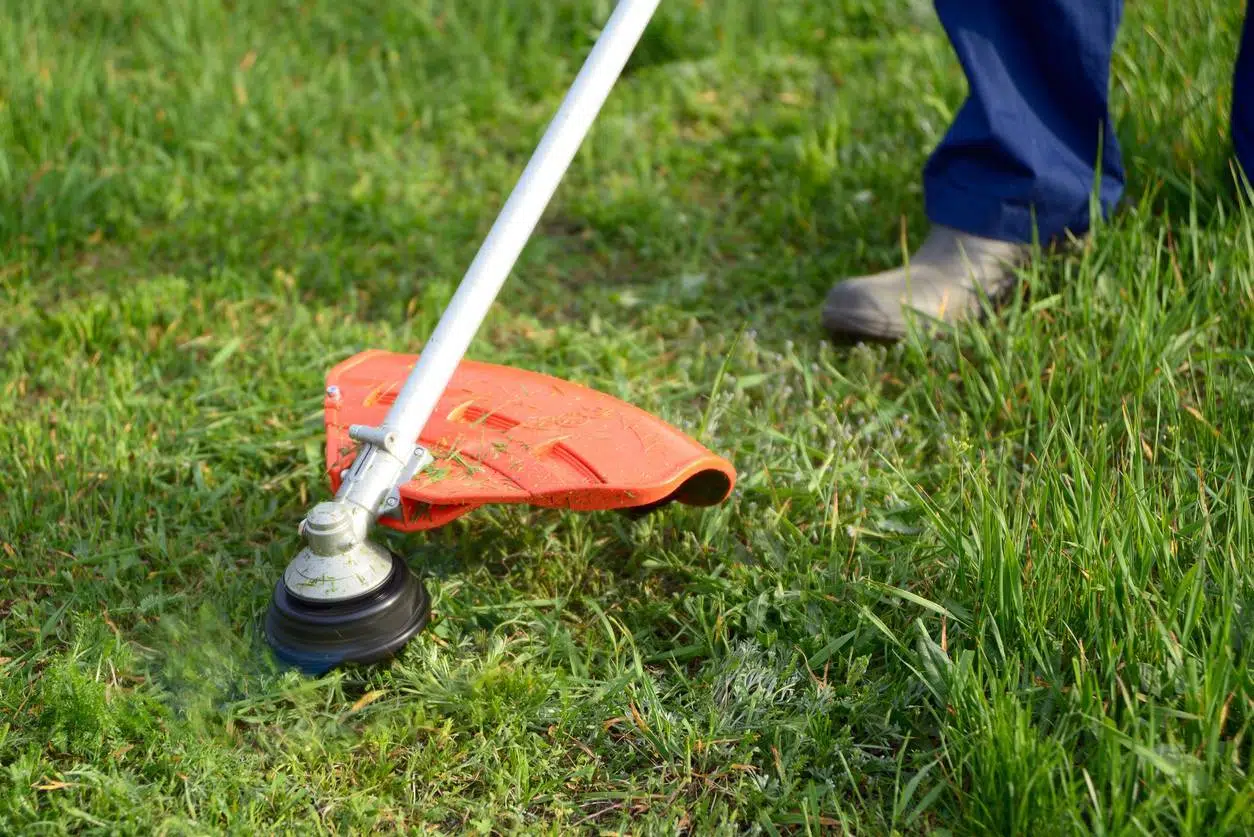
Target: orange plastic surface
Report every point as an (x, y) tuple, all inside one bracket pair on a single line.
[(505, 435)]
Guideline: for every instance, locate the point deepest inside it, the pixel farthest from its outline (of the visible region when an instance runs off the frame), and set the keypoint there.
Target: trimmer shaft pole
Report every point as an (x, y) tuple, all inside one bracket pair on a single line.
[(500, 250)]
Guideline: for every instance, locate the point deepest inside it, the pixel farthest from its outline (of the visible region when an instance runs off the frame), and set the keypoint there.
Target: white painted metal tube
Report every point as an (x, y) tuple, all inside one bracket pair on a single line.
[(513, 227), (337, 562)]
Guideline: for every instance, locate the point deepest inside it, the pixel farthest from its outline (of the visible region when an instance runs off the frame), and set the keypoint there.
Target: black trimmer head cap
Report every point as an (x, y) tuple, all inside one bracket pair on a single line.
[(318, 636)]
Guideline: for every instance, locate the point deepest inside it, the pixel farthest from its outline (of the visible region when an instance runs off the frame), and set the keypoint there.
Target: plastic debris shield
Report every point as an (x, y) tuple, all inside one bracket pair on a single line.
[(506, 435)]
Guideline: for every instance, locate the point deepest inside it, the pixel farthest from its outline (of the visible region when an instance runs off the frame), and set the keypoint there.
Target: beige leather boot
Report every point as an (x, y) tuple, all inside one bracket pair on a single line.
[(945, 281)]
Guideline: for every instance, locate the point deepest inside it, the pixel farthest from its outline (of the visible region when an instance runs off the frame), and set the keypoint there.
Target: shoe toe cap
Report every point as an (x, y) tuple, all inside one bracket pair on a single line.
[(857, 308)]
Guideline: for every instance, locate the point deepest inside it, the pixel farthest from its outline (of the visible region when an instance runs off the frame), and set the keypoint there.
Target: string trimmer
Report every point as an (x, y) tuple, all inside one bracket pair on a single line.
[(416, 441)]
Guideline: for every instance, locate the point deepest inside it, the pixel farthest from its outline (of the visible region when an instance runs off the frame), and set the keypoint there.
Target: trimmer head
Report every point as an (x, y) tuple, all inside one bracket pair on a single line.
[(316, 636), (498, 435)]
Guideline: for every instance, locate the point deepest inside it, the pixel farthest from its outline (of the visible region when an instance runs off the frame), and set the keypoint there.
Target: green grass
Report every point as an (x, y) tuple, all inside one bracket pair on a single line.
[(999, 584)]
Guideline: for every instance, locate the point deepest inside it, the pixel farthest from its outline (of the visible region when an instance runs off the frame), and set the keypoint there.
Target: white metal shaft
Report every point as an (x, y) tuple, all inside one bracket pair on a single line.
[(499, 251), (338, 563)]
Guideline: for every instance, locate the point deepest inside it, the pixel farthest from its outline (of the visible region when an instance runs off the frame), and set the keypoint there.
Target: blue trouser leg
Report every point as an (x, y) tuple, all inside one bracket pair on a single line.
[(1022, 154), (1243, 100)]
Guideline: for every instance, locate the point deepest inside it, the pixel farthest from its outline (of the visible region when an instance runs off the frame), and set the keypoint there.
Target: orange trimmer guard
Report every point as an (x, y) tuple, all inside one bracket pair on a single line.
[(505, 435)]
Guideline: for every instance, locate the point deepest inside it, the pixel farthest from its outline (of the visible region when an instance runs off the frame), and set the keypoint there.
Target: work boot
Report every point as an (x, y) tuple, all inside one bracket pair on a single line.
[(945, 282)]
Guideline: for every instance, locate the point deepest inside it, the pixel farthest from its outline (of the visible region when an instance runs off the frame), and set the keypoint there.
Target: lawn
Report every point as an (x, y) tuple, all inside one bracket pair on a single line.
[(999, 583)]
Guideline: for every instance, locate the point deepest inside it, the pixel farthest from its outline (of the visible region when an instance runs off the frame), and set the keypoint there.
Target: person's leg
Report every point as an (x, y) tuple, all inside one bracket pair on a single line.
[(1243, 100), (1022, 154), (1020, 160)]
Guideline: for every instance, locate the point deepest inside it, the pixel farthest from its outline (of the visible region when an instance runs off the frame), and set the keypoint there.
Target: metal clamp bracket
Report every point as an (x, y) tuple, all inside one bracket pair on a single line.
[(380, 437), (392, 502)]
